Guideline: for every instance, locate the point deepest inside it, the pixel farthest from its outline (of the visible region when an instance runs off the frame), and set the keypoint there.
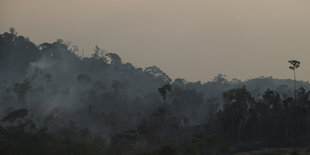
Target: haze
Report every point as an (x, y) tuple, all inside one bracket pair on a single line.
[(194, 40)]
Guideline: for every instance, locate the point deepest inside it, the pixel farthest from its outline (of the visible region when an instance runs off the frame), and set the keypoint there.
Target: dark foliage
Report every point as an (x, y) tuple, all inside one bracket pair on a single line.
[(53, 101)]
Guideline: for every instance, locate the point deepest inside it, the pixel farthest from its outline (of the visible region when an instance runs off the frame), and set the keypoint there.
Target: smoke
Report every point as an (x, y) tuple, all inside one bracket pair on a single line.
[(107, 96)]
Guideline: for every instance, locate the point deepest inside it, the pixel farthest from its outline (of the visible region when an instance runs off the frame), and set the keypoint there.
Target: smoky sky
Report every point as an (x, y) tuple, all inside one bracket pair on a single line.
[(194, 39)]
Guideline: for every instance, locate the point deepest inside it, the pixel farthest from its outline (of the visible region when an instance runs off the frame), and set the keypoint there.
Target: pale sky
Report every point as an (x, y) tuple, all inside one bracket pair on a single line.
[(191, 39)]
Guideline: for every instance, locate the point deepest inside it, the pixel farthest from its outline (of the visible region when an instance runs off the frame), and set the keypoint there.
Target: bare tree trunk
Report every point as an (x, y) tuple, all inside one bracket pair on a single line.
[(295, 86), (286, 128)]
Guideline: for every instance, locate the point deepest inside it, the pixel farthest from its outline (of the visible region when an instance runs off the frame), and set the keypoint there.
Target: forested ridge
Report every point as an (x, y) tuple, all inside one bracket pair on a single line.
[(55, 101)]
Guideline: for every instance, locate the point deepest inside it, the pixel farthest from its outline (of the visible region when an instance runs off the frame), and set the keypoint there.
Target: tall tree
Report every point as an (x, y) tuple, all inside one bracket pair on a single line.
[(294, 64), (235, 111)]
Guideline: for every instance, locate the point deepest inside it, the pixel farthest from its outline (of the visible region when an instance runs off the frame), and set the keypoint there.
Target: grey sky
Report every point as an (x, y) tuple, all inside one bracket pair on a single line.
[(192, 39)]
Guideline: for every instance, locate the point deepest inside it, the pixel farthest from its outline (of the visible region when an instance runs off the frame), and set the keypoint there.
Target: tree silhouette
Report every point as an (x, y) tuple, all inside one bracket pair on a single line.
[(294, 65), (163, 91), (99, 54), (235, 111), (157, 73), (115, 59), (12, 116), (114, 97), (12, 31)]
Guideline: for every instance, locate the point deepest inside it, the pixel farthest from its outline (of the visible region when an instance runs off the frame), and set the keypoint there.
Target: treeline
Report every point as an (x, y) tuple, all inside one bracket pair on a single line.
[(20, 135), (269, 119), (52, 99)]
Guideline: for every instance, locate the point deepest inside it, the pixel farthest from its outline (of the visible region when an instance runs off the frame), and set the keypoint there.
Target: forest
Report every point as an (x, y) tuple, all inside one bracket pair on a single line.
[(53, 100)]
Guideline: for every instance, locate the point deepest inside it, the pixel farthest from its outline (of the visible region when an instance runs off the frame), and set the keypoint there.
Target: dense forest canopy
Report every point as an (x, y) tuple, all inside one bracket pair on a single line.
[(54, 101)]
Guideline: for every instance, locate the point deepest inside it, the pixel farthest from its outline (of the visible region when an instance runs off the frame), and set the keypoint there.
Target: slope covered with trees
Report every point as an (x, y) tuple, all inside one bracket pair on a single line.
[(53, 101)]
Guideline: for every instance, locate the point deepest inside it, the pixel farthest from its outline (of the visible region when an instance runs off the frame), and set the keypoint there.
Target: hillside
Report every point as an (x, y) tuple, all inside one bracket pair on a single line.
[(48, 90)]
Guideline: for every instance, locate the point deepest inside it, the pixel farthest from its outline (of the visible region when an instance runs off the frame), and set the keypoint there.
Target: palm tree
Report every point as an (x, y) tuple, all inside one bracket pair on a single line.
[(294, 64)]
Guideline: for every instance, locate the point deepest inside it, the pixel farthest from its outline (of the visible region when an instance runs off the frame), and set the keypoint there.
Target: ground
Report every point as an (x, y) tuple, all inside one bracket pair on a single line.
[(278, 151)]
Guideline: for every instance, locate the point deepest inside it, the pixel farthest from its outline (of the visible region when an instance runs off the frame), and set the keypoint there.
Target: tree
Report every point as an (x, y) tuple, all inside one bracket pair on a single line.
[(179, 82), (115, 59), (163, 91), (220, 79), (273, 100), (12, 31), (294, 64), (157, 73), (235, 111), (99, 54), (12, 116)]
